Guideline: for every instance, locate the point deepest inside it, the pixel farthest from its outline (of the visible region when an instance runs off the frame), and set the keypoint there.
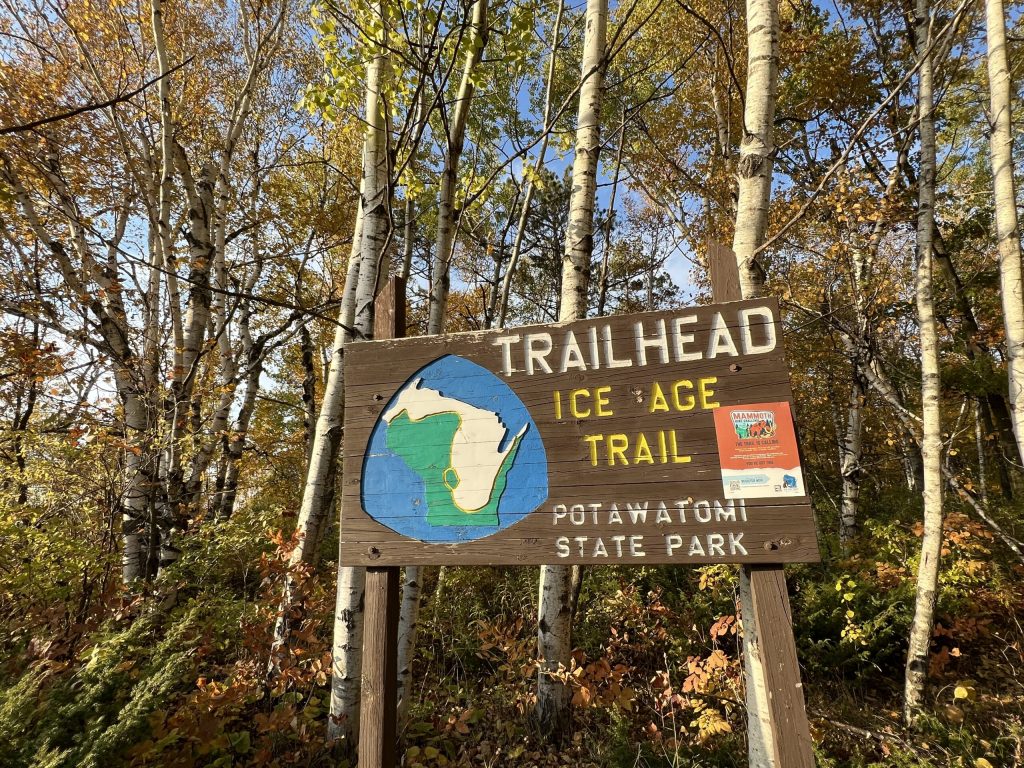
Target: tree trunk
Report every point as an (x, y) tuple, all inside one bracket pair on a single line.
[(977, 349), (931, 441), (318, 494), (237, 435), (136, 527), (1005, 481), (1002, 428), (579, 245), (554, 625), (1011, 282), (979, 442), (199, 193), (757, 150), (754, 186), (308, 389), (531, 187), (376, 224), (850, 458), (408, 628), (447, 216)]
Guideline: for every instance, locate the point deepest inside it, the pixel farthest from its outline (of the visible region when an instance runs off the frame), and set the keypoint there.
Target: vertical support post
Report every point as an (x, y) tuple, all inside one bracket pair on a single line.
[(378, 705), (777, 726)]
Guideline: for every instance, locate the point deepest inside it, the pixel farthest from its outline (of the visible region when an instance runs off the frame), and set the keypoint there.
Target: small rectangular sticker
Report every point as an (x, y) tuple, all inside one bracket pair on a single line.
[(758, 452)]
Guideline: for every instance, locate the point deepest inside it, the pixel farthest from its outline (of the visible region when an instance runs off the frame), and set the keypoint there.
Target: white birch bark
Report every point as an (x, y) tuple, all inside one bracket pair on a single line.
[(757, 150), (979, 441), (554, 619), (754, 186), (851, 451), (579, 245), (554, 641), (318, 492), (348, 619), (166, 184), (447, 221), (136, 533), (1011, 282), (447, 217), (199, 194), (931, 432), (408, 629)]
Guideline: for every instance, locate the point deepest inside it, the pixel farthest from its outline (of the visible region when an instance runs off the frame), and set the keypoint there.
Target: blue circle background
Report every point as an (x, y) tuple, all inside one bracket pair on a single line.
[(393, 495)]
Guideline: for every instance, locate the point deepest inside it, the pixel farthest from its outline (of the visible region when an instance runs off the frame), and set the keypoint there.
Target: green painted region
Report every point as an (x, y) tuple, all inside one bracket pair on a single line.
[(425, 445)]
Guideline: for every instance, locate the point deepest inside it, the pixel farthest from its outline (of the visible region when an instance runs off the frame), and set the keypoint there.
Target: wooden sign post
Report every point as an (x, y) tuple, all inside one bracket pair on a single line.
[(780, 734), (378, 703), (662, 437)]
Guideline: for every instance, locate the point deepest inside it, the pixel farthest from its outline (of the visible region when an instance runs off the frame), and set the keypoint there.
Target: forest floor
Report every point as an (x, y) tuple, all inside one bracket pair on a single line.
[(176, 675)]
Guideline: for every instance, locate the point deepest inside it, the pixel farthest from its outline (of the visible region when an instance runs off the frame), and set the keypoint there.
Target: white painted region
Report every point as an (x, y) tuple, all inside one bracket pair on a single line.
[(475, 453)]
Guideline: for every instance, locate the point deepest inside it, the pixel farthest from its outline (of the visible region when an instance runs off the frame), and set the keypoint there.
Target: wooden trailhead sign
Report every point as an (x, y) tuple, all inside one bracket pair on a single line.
[(662, 437)]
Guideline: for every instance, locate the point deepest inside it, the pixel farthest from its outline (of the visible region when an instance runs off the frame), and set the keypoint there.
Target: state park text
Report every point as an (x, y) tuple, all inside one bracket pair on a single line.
[(591, 441)]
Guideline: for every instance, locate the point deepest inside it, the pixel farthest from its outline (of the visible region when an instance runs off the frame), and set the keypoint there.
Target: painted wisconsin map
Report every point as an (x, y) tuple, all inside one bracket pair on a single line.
[(454, 456), (455, 448)]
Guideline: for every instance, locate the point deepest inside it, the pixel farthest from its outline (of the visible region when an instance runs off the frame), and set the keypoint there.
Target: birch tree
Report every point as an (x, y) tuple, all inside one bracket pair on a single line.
[(757, 149), (376, 221), (1011, 281), (455, 138), (554, 624), (931, 427), (754, 176), (176, 171), (850, 452), (447, 225)]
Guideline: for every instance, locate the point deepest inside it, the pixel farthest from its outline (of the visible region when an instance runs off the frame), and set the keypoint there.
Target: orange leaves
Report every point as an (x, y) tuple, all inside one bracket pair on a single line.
[(702, 671), (505, 643), (600, 684), (889, 576), (726, 625), (460, 722)]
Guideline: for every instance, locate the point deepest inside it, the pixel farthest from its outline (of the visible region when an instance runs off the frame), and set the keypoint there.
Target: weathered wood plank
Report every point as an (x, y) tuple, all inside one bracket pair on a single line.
[(600, 412), (773, 665), (378, 705), (774, 621)]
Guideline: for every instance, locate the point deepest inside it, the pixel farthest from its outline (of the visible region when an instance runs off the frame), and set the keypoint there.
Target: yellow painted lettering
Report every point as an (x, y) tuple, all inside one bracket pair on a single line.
[(601, 402), (574, 403), (658, 402), (558, 404), (617, 445), (706, 393), (593, 440), (676, 458), (643, 451), (686, 403)]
